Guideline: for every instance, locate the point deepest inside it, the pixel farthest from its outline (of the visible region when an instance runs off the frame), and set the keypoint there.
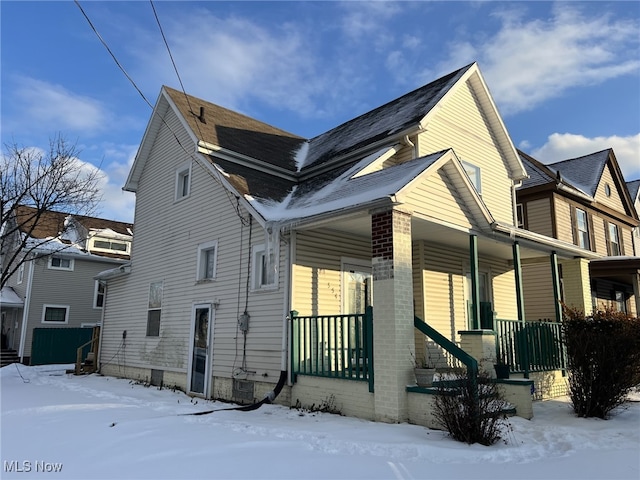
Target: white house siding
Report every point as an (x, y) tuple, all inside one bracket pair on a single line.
[(613, 201), (459, 124), (438, 198), (163, 225), (74, 289), (538, 288), (317, 278), (538, 214)]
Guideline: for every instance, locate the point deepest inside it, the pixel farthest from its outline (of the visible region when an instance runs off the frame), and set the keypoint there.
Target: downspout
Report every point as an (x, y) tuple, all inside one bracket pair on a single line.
[(25, 312), (104, 308), (409, 143), (287, 301), (514, 201)]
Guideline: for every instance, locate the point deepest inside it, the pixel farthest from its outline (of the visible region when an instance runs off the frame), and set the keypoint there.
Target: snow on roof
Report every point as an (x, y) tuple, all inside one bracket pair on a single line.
[(345, 191), (9, 298)]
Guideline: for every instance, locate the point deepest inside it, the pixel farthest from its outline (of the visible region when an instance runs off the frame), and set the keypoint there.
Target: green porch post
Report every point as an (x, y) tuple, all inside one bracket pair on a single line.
[(475, 284), (517, 267), (556, 285)]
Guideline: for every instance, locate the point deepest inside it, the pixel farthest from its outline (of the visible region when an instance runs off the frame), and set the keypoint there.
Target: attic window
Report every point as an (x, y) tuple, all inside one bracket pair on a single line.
[(110, 245), (183, 181), (607, 189), (473, 171)]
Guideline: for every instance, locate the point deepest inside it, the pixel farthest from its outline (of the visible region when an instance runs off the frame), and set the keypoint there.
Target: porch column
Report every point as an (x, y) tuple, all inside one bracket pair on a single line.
[(393, 337), (577, 284), (475, 284), (555, 276), (517, 267), (635, 280)]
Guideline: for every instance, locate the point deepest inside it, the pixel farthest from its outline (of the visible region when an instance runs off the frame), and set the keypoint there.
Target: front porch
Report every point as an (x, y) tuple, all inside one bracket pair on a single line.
[(332, 361)]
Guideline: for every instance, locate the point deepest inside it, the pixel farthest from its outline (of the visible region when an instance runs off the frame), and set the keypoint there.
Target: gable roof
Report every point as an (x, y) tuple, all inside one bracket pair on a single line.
[(266, 166), (634, 190), (579, 176)]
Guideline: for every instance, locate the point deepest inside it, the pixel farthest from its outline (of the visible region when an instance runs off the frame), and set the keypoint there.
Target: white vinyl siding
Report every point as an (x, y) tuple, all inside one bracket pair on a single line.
[(183, 226), (538, 288)]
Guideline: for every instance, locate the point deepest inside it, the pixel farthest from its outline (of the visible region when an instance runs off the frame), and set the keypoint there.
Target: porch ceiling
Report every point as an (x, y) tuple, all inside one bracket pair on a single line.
[(493, 245)]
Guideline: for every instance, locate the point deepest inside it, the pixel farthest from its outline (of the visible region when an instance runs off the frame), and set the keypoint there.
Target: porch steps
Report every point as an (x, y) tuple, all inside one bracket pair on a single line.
[(7, 357)]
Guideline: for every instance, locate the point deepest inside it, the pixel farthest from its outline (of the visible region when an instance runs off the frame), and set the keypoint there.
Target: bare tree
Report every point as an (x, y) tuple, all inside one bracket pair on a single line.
[(54, 180)]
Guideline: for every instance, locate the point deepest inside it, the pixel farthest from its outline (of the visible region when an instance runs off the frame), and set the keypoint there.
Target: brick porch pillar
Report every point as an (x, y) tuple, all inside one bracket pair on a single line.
[(577, 284), (393, 336)]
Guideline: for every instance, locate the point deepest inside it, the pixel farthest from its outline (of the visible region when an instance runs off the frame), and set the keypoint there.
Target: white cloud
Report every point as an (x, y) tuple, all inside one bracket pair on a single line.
[(562, 146), (49, 107), (234, 61), (527, 62), (116, 204)]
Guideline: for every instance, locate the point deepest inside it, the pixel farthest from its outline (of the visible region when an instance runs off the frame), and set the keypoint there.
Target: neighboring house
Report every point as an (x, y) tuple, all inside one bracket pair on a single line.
[(408, 208), (584, 201), (55, 287), (634, 193)]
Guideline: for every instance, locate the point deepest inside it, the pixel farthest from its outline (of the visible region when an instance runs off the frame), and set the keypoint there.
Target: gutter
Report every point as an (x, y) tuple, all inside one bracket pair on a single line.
[(538, 239)]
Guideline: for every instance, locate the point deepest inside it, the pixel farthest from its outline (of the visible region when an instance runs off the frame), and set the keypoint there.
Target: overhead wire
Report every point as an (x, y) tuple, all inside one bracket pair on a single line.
[(154, 112)]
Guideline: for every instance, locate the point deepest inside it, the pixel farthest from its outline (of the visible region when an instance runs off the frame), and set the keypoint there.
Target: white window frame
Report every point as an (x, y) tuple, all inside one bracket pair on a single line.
[(21, 273), (97, 294), (153, 307), (110, 241), (474, 174), (519, 215), (182, 172), (257, 274), (50, 305), (584, 236), (203, 250), (50, 265), (612, 227)]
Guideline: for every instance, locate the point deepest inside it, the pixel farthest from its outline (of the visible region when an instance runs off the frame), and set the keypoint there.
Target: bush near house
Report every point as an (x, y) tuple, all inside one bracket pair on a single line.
[(603, 359), (471, 410)]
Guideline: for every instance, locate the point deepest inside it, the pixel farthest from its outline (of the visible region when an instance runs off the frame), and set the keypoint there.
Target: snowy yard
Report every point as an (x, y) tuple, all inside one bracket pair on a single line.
[(98, 427)]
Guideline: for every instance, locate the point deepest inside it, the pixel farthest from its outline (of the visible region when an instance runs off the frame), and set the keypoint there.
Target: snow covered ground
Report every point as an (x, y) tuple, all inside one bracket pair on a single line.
[(96, 427)]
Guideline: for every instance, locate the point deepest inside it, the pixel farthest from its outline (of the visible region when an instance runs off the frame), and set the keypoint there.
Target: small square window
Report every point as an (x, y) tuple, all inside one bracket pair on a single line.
[(473, 171), (207, 255), (57, 262), (183, 181), (55, 314), (264, 269)]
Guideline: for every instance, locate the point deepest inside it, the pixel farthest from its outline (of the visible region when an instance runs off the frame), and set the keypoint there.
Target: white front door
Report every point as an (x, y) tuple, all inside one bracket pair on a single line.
[(199, 356)]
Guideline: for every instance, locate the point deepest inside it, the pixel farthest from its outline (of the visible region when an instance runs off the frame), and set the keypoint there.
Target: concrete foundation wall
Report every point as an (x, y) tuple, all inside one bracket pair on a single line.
[(348, 397)]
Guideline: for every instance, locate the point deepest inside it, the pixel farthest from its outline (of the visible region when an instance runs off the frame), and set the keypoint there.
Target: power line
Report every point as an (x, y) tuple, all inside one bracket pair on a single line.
[(175, 136)]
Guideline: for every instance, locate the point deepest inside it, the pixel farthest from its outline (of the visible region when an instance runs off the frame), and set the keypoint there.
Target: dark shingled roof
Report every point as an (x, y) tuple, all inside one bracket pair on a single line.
[(539, 174), (634, 188), (388, 119), (239, 133), (583, 172)]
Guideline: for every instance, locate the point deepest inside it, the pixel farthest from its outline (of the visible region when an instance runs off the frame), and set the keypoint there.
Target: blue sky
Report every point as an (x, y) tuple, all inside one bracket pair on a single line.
[(565, 75)]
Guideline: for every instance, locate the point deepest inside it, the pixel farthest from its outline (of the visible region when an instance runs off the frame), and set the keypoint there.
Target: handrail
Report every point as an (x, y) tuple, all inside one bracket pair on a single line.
[(94, 338), (470, 362), (456, 351)]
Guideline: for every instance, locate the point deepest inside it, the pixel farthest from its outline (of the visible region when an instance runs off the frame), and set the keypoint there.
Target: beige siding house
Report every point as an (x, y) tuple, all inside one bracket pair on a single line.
[(316, 268), (584, 201)]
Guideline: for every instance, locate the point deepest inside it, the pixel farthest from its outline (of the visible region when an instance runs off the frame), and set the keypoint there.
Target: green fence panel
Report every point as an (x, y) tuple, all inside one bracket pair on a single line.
[(58, 345)]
